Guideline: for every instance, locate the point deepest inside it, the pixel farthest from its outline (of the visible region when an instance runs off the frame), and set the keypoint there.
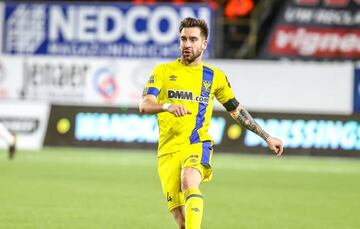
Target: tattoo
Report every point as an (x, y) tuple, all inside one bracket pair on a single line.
[(243, 117)]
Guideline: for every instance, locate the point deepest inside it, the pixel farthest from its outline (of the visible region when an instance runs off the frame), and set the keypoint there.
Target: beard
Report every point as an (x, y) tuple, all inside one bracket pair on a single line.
[(188, 58)]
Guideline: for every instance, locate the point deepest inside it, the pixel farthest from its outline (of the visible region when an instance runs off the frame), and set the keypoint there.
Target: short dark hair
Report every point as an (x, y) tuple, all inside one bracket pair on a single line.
[(195, 22)]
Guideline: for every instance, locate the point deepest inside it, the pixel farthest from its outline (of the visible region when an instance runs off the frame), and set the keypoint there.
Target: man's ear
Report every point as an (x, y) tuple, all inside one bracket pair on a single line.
[(204, 44)]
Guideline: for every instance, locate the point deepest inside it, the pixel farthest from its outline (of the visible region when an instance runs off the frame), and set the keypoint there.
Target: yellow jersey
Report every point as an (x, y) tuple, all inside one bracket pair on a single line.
[(193, 86)]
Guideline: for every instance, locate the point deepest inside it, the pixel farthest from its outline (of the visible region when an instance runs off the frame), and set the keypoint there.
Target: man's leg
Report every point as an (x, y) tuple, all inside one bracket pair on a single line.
[(169, 169), (12, 148), (9, 139), (190, 182), (179, 215)]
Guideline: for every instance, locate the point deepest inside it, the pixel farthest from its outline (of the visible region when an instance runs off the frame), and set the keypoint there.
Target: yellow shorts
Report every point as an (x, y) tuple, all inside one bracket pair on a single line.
[(196, 155)]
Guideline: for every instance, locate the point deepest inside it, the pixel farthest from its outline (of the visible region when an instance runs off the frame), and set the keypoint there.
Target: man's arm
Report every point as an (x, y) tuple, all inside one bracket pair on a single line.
[(149, 105), (243, 117)]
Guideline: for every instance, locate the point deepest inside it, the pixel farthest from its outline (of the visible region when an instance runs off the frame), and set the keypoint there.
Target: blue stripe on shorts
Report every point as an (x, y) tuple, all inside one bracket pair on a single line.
[(206, 149)]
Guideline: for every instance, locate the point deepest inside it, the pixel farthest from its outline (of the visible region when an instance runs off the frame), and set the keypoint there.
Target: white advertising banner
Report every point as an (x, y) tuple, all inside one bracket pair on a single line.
[(91, 81), (274, 86), (55, 79), (119, 82), (10, 77), (295, 87), (28, 120)]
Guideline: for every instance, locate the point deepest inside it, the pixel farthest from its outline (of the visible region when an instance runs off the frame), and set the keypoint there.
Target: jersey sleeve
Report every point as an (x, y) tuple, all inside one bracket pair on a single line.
[(223, 93), (155, 82)]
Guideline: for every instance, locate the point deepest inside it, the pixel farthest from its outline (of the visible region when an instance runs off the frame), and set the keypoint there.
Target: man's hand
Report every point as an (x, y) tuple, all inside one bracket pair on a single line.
[(178, 110), (275, 145)]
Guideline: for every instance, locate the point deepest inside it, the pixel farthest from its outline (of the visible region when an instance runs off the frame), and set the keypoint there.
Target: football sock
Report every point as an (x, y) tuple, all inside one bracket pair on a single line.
[(193, 208)]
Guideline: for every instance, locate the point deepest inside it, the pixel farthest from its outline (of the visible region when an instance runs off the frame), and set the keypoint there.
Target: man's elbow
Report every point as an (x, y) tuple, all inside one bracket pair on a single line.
[(146, 106), (142, 109)]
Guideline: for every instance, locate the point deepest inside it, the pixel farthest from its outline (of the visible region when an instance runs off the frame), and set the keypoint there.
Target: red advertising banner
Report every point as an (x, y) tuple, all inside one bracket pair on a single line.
[(315, 42), (316, 29)]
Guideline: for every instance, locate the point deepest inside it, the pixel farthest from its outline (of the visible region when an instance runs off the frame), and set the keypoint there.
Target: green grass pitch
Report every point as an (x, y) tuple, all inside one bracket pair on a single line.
[(99, 188)]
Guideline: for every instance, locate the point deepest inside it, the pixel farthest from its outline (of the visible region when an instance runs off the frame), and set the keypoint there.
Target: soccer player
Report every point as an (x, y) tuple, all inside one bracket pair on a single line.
[(181, 93), (10, 140)]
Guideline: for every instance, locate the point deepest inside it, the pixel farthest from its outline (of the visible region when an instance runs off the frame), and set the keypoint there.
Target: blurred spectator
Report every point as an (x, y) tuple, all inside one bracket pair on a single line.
[(238, 8), (141, 2), (214, 4)]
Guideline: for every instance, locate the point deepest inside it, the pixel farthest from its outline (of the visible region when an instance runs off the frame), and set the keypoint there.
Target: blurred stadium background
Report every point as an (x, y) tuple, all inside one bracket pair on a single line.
[(72, 74)]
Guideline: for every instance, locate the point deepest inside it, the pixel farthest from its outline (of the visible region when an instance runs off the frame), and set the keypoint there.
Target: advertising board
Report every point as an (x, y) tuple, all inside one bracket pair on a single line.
[(309, 134), (28, 120), (317, 29), (10, 77), (106, 30)]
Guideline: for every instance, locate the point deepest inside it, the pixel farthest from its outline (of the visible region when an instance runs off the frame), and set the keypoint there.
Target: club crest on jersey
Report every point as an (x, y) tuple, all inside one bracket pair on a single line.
[(206, 86)]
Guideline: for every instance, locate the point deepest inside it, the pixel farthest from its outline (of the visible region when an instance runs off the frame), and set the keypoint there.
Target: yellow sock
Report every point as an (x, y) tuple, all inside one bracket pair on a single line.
[(193, 208)]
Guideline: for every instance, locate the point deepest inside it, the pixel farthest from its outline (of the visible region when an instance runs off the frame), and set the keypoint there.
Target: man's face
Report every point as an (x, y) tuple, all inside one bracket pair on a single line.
[(192, 44)]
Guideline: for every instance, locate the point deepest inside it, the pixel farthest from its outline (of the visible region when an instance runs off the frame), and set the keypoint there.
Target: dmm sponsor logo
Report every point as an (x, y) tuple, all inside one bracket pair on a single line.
[(186, 95)]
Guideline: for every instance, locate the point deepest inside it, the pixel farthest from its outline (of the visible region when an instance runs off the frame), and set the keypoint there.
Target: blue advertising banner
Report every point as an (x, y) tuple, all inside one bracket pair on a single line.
[(302, 134), (112, 30), (357, 90)]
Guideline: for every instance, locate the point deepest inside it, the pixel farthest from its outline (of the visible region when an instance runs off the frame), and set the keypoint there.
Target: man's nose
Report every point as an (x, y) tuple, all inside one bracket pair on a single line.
[(187, 43)]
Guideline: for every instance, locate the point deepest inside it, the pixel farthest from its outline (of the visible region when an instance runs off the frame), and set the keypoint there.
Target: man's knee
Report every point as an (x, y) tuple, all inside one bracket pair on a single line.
[(179, 216), (190, 178)]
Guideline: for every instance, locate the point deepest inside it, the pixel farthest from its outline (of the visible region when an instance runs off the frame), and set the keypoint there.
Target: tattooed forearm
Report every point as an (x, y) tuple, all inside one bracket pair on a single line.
[(243, 117)]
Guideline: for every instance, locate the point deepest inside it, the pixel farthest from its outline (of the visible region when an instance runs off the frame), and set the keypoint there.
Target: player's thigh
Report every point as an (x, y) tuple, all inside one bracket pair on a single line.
[(199, 156), (169, 169)]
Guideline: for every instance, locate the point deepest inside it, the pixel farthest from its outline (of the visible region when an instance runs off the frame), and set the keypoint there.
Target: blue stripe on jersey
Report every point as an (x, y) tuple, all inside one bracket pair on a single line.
[(206, 149), (152, 91), (207, 80)]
